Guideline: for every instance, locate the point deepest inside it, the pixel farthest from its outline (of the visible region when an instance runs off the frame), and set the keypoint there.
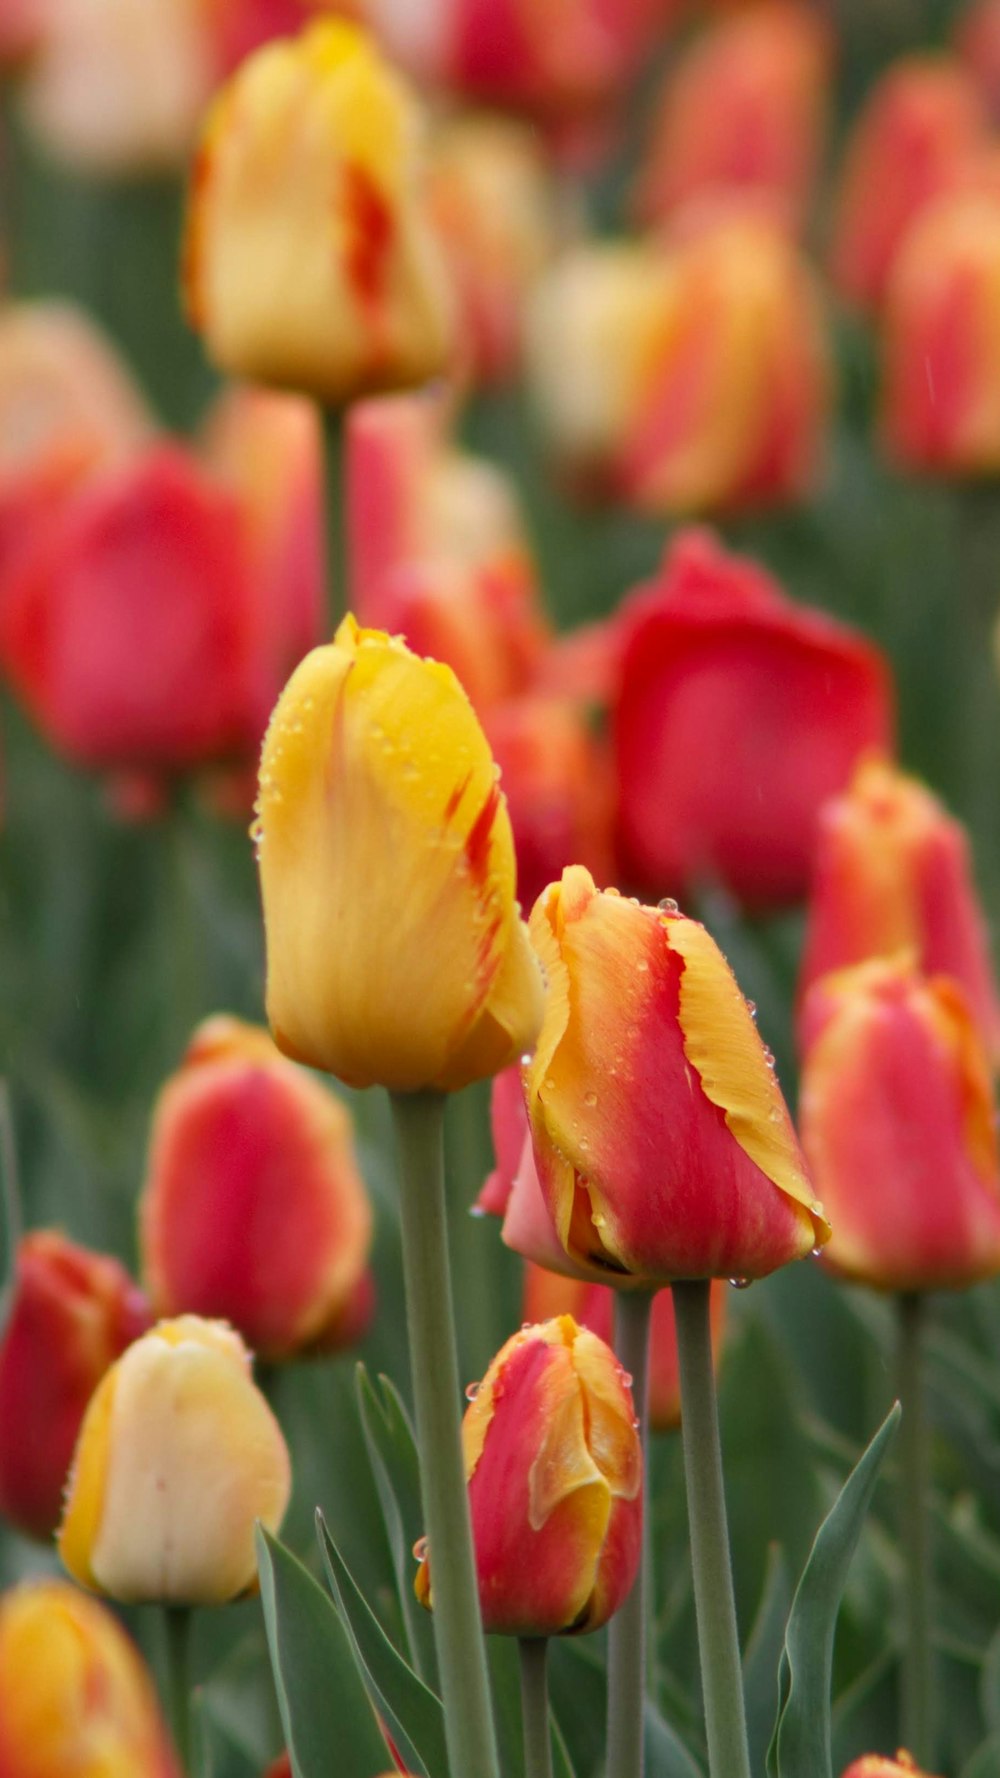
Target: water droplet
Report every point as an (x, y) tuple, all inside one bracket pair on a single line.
[(471, 1391), (741, 1283), (598, 1220), (477, 1211), (550, 1085), (420, 1550), (815, 1253), (584, 1142), (752, 1008), (642, 967), (590, 1098), (816, 1207), (774, 1115), (668, 905), (626, 1377), (525, 1326), (525, 1059), (635, 1424)]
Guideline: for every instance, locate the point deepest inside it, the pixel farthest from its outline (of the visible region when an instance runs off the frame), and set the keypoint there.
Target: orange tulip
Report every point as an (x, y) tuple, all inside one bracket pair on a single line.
[(877, 1765)]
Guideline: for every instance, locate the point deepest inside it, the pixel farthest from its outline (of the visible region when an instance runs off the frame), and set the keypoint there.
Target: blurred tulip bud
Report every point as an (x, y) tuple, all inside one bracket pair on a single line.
[(877, 1765), (768, 703), (897, 1121), (941, 364), (920, 124), (22, 23), (547, 1294), (380, 819), (663, 1145), (558, 784), (690, 378), (554, 1468), (128, 629), (74, 1693), (977, 40), (491, 202), (178, 1456), (253, 1208), (71, 1314), (309, 261), (743, 110), (893, 873), (280, 1768), (117, 86)]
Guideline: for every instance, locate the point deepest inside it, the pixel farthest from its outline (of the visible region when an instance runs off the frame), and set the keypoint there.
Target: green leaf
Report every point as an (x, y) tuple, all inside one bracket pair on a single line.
[(985, 1762), (325, 1712), (413, 1714), (392, 1453), (763, 1653), (10, 1205), (800, 1747)]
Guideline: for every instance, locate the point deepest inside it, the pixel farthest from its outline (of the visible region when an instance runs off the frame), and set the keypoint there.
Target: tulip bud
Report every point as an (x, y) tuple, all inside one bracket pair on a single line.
[(941, 368), (703, 650), (877, 1765), (663, 1145), (897, 1121), (977, 40), (381, 821), (129, 629), (893, 873), (74, 1693), (71, 1314), (554, 1468), (920, 124), (742, 110), (253, 1208), (178, 1456), (309, 263), (547, 1294), (491, 204), (117, 88)]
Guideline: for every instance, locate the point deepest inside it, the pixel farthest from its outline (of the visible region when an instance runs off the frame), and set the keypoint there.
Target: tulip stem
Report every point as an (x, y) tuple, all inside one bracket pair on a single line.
[(177, 1626), (627, 1630), (917, 1678), (430, 1323), (534, 1653), (715, 1604), (338, 601)]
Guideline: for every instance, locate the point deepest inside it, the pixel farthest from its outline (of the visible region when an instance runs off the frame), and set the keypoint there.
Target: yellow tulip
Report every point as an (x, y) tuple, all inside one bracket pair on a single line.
[(395, 950)]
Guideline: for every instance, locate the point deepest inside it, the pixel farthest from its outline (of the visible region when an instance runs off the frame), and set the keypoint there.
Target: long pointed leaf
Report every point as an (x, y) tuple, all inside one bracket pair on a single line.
[(800, 1747), (413, 1714), (328, 1721), (392, 1453)]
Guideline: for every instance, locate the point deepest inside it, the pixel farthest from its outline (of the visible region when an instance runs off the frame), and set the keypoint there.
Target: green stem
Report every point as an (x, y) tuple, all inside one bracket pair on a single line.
[(627, 1630), (177, 1627), (534, 1654), (338, 600), (917, 1677), (715, 1605), (430, 1323)]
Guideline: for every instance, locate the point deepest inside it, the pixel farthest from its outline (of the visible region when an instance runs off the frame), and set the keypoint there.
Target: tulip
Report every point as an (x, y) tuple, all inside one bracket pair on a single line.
[(897, 1123), (554, 1469), (557, 780), (491, 203), (253, 1209), (74, 1693), (877, 1765), (941, 368), (893, 873), (71, 1314), (768, 704), (743, 110), (309, 262), (117, 89), (919, 126), (664, 1147), (128, 629), (592, 1305), (178, 1456), (395, 953), (21, 28), (977, 40)]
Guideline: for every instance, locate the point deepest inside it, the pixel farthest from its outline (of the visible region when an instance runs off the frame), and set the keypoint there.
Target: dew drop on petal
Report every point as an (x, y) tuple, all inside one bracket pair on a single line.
[(590, 1099), (740, 1283), (668, 905), (420, 1550), (471, 1391)]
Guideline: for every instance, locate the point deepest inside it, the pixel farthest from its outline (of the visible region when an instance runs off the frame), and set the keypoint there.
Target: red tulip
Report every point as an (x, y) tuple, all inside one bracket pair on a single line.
[(557, 780), (738, 714)]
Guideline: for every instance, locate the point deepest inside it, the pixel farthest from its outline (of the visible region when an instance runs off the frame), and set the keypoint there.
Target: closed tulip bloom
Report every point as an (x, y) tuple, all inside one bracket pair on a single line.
[(940, 402), (310, 263), (894, 873), (919, 125), (554, 1468), (977, 39), (768, 704), (72, 1313), (253, 1209), (395, 950), (547, 1294), (179, 1455), (75, 1696), (897, 1121), (877, 1765), (663, 1145), (743, 110)]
